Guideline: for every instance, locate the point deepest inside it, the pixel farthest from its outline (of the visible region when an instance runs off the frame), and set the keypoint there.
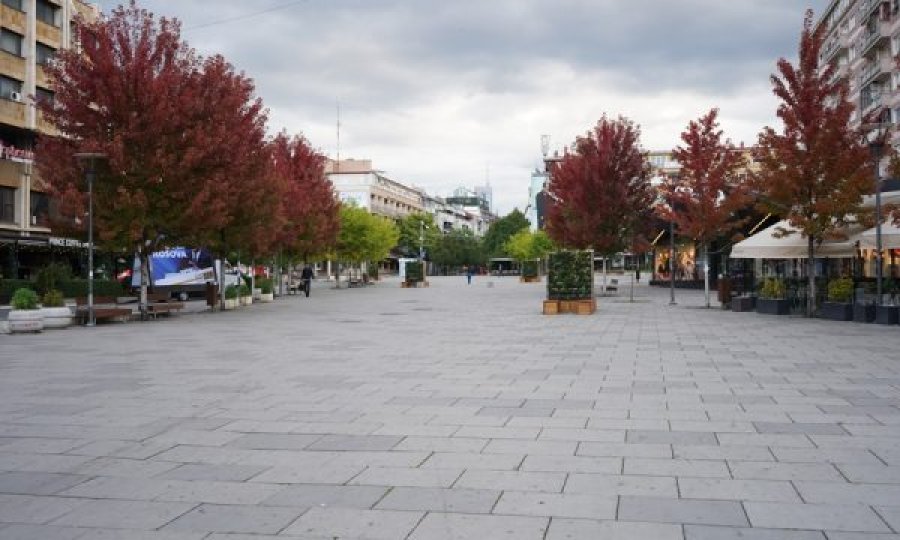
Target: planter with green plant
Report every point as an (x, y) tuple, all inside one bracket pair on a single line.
[(772, 299), (839, 306), (266, 289), (25, 315), (54, 310), (415, 274), (231, 297), (570, 283), (888, 312), (530, 273), (244, 294)]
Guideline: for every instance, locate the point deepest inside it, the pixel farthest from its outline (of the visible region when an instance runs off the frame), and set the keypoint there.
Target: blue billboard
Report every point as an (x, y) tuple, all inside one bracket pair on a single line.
[(177, 266)]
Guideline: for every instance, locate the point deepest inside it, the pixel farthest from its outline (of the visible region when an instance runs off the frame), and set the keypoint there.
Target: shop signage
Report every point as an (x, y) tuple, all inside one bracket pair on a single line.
[(66, 242), (19, 155)]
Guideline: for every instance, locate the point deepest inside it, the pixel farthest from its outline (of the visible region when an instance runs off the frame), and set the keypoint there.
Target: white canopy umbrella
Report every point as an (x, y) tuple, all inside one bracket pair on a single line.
[(890, 237), (766, 245)]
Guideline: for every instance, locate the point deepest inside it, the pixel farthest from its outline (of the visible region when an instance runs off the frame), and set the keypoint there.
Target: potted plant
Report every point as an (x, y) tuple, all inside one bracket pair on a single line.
[(840, 295), (771, 299), (888, 312), (530, 272), (864, 307), (246, 297), (25, 315), (266, 289), (231, 297), (54, 310)]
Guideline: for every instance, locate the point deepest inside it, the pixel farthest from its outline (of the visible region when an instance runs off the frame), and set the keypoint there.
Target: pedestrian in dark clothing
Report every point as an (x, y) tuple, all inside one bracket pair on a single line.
[(306, 276), (469, 271)]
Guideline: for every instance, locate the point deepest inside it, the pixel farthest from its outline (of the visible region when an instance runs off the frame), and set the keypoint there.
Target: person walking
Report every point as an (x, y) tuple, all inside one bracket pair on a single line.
[(469, 271), (306, 277)]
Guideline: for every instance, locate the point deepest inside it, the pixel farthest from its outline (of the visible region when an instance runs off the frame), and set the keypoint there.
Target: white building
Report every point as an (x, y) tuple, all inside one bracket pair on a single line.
[(357, 182), (539, 181)]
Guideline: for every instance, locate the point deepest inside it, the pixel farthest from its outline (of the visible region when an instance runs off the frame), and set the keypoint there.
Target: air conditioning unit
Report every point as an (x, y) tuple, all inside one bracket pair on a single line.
[(15, 96)]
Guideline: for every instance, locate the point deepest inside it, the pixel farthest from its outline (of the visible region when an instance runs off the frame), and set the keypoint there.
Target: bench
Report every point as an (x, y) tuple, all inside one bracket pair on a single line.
[(105, 309), (161, 303), (613, 285)]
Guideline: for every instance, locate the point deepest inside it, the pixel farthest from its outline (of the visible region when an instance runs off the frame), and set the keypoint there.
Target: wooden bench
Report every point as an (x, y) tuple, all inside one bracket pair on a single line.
[(105, 309), (162, 304)]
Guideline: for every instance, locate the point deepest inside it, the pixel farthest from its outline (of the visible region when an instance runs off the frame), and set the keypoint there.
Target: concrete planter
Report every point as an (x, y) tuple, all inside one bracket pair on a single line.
[(769, 306), (56, 317), (266, 297), (231, 303), (743, 303), (837, 311), (257, 293), (246, 300), (864, 313), (25, 320), (887, 314)]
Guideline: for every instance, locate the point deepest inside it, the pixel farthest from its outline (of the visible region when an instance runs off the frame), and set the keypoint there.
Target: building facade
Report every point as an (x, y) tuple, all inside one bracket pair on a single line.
[(862, 39), (31, 31), (356, 182)]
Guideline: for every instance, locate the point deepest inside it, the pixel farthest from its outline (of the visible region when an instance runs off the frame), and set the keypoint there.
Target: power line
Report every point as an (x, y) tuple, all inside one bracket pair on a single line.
[(245, 16)]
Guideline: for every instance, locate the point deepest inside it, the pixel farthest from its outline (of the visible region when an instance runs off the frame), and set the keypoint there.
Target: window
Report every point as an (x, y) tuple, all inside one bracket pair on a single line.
[(15, 4), (11, 42), (9, 86), (7, 205), (48, 13), (43, 53), (42, 94), (40, 208)]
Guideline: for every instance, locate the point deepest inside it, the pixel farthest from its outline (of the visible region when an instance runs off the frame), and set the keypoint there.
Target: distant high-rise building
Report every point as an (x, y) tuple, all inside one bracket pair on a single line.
[(486, 194)]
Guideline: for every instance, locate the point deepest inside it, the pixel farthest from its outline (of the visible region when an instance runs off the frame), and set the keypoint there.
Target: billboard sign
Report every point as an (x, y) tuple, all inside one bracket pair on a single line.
[(177, 266)]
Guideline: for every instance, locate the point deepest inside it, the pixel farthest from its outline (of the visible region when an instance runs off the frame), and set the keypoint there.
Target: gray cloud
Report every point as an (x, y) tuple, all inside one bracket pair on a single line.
[(437, 92)]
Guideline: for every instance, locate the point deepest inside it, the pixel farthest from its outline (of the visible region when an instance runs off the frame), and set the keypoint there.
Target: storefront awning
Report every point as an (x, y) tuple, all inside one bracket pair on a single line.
[(890, 237), (766, 245)]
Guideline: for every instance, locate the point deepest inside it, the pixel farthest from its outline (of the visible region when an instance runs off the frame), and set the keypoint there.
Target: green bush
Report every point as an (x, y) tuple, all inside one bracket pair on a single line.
[(414, 272), (53, 298), (773, 289), (265, 285), (79, 288), (529, 269), (840, 290), (244, 290), (9, 286), (571, 275), (24, 298), (51, 276), (231, 292)]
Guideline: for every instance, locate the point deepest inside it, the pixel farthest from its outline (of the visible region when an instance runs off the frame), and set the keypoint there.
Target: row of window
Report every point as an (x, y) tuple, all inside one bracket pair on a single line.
[(11, 42), (40, 206), (44, 12), (9, 88)]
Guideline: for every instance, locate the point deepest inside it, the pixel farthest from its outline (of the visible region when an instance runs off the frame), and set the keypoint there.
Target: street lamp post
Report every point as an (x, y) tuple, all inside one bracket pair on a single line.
[(672, 262), (876, 148), (89, 159)]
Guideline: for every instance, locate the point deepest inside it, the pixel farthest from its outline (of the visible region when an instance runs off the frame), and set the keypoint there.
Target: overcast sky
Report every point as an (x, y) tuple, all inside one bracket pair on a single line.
[(442, 94)]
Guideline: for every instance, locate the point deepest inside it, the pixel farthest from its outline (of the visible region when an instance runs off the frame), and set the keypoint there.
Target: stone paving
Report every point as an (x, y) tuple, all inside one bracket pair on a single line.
[(453, 412)]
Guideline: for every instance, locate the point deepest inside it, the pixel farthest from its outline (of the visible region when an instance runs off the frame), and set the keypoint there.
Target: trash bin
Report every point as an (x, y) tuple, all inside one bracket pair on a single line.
[(212, 295), (724, 290)]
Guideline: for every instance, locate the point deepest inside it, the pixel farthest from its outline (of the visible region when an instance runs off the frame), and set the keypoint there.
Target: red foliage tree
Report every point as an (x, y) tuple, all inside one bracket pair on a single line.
[(814, 172), (600, 191), (704, 199), (184, 137), (308, 206)]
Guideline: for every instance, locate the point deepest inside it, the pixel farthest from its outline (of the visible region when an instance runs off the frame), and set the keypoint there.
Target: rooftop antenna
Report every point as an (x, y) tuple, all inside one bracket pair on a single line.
[(337, 163), (545, 145)]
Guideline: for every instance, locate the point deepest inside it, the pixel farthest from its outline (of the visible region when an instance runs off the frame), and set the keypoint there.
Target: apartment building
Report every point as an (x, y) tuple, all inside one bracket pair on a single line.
[(31, 31), (356, 181), (862, 39)]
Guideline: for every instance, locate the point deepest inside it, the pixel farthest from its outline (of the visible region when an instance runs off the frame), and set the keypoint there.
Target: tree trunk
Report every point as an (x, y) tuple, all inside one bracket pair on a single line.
[(811, 277), (705, 249)]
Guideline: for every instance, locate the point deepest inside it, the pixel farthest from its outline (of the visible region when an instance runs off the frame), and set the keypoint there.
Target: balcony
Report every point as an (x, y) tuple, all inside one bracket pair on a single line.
[(49, 34), (12, 66), (879, 69), (866, 8), (832, 48), (12, 113), (13, 19), (869, 40)]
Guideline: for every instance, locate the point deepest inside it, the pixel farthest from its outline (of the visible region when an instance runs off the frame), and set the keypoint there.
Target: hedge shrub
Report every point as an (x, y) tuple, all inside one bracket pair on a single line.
[(571, 275)]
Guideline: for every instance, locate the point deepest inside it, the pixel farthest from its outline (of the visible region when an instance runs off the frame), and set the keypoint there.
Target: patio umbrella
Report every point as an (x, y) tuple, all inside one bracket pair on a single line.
[(765, 245), (890, 237)]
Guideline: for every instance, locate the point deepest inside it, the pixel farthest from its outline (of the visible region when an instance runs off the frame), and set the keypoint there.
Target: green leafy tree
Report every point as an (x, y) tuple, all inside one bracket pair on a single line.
[(413, 228), (363, 236), (458, 248), (528, 246), (501, 230)]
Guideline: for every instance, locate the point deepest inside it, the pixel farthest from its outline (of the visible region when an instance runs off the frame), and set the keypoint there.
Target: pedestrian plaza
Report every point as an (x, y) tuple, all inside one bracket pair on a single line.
[(453, 412)]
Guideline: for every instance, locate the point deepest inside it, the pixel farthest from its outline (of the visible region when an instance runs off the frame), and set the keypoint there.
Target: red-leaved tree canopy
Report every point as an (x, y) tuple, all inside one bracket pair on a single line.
[(600, 191), (308, 206), (814, 171), (183, 136)]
